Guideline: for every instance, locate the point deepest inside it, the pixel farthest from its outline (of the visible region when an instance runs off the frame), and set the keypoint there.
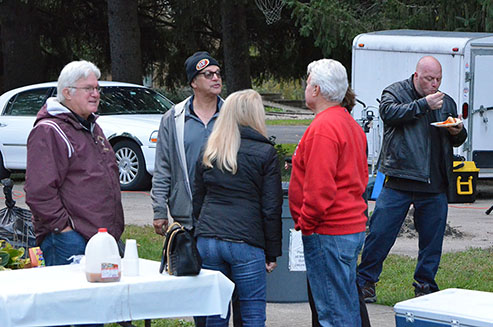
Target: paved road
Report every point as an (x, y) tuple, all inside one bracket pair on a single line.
[(286, 134)]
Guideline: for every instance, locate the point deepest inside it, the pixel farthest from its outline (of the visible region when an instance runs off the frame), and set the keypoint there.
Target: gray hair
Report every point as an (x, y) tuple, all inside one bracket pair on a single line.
[(72, 72), (331, 76)]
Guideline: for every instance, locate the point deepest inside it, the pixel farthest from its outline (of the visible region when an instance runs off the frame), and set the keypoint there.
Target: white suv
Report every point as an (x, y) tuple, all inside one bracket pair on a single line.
[(129, 116)]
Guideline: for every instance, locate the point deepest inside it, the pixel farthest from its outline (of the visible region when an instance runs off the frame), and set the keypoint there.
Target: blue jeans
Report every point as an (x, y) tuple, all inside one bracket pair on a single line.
[(58, 248), (331, 269), (430, 217), (244, 264)]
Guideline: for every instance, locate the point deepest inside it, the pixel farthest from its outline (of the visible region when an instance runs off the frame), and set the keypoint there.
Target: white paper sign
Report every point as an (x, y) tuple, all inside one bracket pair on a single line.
[(296, 254)]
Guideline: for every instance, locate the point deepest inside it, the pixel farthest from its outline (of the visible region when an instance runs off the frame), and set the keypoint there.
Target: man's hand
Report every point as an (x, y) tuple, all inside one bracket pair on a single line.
[(160, 226), (454, 130), (435, 100), (270, 266)]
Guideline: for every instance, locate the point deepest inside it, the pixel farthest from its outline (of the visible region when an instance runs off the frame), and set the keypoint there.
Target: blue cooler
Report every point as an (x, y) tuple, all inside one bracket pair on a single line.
[(450, 307)]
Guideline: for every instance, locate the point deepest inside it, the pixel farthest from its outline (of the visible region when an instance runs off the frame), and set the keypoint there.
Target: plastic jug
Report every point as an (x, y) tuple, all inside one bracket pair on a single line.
[(103, 262)]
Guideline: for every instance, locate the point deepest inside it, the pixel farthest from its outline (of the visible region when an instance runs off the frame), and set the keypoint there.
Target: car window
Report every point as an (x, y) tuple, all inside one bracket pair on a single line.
[(28, 103), (132, 100)]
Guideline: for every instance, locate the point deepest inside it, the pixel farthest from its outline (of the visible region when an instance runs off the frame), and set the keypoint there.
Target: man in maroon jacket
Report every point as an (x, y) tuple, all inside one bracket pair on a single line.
[(72, 185)]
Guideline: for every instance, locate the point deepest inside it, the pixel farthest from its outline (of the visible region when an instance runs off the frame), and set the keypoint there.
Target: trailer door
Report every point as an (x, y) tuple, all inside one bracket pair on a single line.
[(480, 122)]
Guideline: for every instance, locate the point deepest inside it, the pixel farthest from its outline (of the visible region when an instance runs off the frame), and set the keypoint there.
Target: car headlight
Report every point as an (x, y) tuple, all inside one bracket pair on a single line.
[(153, 137)]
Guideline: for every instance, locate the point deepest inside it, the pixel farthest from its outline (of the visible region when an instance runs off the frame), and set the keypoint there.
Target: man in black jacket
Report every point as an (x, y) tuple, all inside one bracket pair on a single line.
[(417, 159)]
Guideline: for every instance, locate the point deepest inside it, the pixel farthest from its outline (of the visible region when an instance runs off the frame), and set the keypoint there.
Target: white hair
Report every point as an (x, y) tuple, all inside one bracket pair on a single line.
[(72, 72), (331, 76)]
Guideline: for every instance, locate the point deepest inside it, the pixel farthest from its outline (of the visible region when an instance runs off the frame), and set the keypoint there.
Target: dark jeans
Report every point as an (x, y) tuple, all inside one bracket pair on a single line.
[(58, 248), (430, 217)]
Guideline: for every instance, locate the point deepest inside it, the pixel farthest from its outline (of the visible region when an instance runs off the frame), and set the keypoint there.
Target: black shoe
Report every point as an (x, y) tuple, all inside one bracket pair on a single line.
[(421, 289), (368, 291)]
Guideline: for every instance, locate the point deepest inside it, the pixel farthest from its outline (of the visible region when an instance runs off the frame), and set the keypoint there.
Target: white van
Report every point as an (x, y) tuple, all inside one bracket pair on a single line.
[(382, 58)]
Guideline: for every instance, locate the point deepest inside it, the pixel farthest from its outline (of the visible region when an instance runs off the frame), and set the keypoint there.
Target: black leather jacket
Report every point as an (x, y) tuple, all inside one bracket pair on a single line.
[(245, 206), (406, 142)]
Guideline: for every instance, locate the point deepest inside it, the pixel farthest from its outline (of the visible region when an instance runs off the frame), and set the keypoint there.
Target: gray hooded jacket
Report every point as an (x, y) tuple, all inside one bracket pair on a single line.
[(170, 182)]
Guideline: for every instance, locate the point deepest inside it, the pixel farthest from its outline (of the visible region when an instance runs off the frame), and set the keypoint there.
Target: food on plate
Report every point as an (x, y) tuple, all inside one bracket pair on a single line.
[(450, 120)]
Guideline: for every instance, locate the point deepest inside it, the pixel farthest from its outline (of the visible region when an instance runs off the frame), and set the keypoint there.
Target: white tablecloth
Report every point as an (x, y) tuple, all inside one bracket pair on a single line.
[(61, 295)]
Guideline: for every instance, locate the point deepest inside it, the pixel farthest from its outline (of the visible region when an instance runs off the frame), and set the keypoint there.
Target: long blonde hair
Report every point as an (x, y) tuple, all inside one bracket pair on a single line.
[(242, 108)]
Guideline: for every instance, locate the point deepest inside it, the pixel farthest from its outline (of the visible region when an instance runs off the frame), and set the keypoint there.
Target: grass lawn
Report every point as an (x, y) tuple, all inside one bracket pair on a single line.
[(160, 323), (469, 269), (288, 148), (272, 109), (289, 122)]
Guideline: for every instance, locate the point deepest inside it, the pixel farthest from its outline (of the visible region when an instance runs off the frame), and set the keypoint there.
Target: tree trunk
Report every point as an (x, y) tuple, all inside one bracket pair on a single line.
[(124, 32), (235, 45), (21, 49)]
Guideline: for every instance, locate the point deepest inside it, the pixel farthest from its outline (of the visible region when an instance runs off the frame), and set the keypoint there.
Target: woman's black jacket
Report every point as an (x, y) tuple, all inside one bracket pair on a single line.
[(245, 206)]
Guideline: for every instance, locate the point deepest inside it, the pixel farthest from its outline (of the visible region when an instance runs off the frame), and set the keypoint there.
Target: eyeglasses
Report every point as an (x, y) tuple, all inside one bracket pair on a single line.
[(210, 75), (87, 89)]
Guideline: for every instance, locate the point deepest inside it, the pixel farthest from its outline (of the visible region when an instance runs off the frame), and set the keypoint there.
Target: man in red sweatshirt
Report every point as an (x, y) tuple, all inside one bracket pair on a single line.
[(328, 179)]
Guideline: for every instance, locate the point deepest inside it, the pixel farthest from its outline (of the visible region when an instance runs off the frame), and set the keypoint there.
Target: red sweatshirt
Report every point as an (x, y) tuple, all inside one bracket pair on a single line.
[(329, 176)]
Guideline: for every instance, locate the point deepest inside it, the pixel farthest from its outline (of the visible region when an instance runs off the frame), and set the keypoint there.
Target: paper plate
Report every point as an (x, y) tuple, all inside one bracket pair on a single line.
[(438, 124)]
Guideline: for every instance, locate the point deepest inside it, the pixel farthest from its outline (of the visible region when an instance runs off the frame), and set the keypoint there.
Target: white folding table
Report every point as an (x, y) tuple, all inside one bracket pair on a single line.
[(61, 295)]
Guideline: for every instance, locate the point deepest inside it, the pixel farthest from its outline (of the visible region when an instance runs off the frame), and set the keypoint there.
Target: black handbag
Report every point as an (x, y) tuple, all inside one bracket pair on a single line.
[(180, 255)]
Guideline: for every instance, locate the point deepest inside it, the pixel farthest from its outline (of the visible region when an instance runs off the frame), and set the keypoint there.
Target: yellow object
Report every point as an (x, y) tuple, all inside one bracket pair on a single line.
[(465, 166), (465, 187), (36, 256), (468, 185)]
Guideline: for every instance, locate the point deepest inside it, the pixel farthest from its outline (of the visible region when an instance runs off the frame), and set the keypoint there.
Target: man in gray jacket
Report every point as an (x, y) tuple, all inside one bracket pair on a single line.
[(183, 131)]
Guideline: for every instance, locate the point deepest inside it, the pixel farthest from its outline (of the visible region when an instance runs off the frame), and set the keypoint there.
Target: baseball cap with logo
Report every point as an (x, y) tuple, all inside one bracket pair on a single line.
[(197, 62)]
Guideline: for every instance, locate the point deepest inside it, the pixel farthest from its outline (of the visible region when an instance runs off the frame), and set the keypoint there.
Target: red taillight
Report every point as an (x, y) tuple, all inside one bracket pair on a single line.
[(361, 45), (455, 49), (465, 110)]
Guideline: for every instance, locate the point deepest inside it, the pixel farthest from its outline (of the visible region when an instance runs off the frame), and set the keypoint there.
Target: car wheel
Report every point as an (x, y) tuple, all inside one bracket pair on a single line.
[(4, 173), (131, 166)]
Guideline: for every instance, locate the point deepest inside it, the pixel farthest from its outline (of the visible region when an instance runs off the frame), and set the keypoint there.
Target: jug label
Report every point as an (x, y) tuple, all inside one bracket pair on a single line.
[(109, 270)]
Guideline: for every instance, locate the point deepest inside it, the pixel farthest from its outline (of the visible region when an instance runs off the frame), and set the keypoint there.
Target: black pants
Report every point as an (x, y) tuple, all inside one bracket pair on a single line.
[(237, 322), (365, 320)]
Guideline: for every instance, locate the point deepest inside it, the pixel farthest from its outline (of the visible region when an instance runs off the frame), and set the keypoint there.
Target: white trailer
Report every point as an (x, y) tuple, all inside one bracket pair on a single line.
[(381, 58)]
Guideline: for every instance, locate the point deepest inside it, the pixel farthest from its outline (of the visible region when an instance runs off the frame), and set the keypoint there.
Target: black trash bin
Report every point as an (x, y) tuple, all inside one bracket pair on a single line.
[(284, 285)]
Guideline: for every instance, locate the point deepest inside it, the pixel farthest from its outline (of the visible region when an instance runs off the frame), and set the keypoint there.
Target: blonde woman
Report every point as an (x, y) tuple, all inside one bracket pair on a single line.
[(237, 200)]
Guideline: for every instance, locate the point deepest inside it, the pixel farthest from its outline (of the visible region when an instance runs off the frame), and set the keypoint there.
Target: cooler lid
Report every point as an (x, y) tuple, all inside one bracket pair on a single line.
[(465, 166), (467, 307)]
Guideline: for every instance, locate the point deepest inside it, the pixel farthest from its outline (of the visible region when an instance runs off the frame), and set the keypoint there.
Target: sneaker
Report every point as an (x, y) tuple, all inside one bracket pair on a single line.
[(421, 289), (368, 291)]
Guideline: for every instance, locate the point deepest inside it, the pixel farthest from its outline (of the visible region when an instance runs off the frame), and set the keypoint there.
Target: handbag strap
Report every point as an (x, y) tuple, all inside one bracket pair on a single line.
[(170, 234)]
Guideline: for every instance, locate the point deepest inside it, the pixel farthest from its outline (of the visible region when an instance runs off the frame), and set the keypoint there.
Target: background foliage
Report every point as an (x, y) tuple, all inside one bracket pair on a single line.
[(38, 37)]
